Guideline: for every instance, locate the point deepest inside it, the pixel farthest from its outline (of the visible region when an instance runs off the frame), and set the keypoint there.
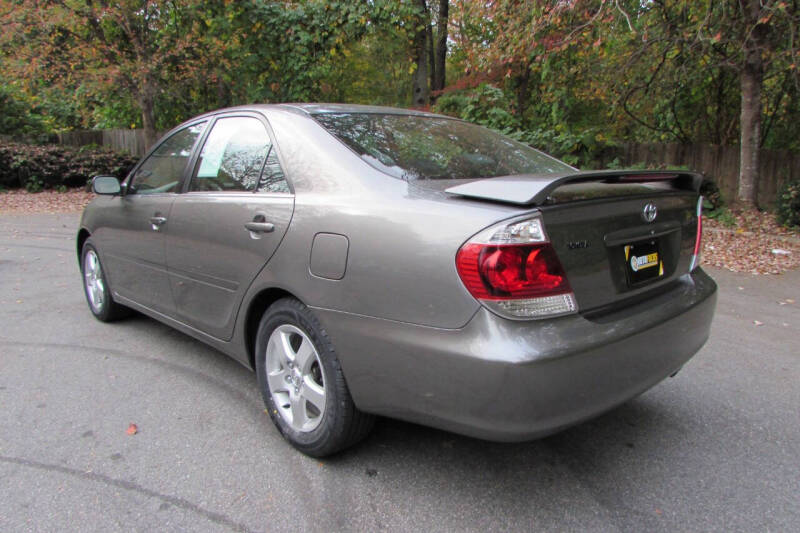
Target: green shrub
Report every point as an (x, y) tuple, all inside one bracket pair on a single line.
[(789, 204), (712, 196), (34, 184), (723, 215), (35, 167), (488, 106), (17, 118), (485, 105)]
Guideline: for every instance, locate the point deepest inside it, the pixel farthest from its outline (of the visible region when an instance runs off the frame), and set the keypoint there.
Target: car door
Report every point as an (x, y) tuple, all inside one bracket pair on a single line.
[(227, 225), (132, 238)]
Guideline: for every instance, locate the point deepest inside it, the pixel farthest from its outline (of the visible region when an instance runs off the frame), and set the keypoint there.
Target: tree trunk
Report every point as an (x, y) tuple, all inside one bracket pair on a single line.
[(429, 45), (146, 105), (440, 55), (420, 91), (751, 79), (523, 90), (223, 94)]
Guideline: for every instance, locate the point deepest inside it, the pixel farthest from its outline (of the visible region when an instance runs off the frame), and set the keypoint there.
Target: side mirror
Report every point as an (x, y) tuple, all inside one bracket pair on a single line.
[(106, 185)]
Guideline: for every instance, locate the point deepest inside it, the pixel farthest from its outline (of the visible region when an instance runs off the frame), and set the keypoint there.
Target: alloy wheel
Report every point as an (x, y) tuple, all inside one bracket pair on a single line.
[(295, 379), (93, 281)]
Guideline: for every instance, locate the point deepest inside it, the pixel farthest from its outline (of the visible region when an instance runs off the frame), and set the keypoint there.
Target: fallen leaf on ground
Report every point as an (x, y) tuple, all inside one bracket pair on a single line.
[(751, 244), (19, 201)]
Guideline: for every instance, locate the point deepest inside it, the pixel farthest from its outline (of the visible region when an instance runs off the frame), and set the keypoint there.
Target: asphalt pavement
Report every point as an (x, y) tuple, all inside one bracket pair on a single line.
[(716, 448)]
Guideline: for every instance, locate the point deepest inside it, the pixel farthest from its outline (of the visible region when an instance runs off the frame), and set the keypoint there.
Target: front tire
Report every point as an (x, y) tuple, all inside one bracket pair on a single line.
[(96, 289), (302, 382)]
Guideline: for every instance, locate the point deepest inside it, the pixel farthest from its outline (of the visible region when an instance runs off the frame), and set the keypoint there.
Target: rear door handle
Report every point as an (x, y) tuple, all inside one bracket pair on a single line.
[(157, 222), (260, 227)]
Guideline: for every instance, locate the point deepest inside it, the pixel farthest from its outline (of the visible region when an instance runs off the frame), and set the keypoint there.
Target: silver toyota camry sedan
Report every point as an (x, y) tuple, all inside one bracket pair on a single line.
[(375, 261)]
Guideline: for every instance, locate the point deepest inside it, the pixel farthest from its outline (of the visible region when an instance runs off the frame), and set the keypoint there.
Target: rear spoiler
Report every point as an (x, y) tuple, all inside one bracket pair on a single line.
[(535, 189)]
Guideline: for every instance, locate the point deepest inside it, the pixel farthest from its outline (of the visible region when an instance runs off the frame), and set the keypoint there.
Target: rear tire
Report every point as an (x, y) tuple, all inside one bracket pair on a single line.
[(96, 288), (302, 383)]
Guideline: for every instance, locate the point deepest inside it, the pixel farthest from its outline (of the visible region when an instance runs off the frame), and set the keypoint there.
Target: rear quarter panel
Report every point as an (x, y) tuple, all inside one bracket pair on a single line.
[(402, 240)]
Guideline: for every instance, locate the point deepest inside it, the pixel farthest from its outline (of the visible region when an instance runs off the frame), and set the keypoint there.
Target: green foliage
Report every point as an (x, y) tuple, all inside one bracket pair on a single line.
[(789, 204), (712, 197), (16, 117), (570, 78), (34, 184), (580, 149), (36, 167), (489, 106), (486, 105), (119, 110), (373, 71), (723, 215), (714, 205)]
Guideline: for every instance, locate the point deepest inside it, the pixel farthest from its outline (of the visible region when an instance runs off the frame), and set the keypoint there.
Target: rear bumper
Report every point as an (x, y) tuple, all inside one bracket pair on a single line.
[(505, 380)]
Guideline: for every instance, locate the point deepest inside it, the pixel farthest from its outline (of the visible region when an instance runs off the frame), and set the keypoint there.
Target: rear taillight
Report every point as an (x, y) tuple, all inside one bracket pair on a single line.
[(513, 270), (699, 237)]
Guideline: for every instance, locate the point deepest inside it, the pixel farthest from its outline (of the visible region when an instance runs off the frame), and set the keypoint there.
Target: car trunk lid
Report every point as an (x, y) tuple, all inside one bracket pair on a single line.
[(600, 226)]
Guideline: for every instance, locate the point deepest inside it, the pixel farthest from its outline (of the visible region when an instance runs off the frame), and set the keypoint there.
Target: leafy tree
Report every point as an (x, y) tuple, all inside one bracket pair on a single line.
[(373, 70), (171, 59), (750, 39), (16, 116), (134, 45), (668, 67)]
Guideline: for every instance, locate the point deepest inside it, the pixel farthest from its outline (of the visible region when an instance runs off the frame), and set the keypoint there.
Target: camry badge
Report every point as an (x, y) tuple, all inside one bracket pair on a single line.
[(649, 212)]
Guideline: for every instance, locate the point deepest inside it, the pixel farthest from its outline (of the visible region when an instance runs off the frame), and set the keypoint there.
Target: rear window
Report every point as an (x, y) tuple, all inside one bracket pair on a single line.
[(412, 147)]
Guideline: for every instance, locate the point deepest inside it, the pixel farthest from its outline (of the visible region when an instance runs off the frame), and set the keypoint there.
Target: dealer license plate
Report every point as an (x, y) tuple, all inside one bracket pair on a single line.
[(643, 262)]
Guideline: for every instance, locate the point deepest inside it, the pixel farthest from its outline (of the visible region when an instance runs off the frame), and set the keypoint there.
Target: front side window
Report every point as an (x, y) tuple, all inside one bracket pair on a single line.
[(238, 156), (413, 147), (163, 170)]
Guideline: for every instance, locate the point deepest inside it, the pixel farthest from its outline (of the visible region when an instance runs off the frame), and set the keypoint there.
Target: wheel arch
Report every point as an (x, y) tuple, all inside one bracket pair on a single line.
[(255, 310), (83, 234)]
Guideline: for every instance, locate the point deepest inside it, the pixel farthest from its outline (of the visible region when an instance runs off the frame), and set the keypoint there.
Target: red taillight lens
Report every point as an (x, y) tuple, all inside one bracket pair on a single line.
[(699, 237), (511, 271)]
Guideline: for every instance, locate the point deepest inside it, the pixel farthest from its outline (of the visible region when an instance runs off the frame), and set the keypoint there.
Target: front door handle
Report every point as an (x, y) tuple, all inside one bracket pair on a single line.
[(157, 222), (260, 227)]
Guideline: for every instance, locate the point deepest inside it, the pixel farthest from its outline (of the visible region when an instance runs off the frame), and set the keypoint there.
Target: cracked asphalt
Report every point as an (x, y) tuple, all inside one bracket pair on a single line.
[(714, 449)]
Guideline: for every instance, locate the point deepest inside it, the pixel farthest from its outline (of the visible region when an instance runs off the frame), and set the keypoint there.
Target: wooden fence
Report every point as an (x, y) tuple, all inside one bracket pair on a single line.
[(131, 141), (721, 163)]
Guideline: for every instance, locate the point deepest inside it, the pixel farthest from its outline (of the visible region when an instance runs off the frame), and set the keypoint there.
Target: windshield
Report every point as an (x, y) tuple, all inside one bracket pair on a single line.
[(427, 148)]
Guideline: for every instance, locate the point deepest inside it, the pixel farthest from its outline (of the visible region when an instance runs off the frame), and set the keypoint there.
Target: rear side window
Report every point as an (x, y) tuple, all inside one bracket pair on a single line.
[(163, 170), (238, 156), (272, 178), (412, 147)]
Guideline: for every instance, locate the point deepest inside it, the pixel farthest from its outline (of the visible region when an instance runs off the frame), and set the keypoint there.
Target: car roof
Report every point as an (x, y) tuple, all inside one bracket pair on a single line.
[(309, 109), (317, 108)]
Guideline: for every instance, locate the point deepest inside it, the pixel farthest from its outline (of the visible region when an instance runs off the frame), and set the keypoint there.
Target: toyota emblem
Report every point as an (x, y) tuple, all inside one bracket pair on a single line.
[(649, 212)]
